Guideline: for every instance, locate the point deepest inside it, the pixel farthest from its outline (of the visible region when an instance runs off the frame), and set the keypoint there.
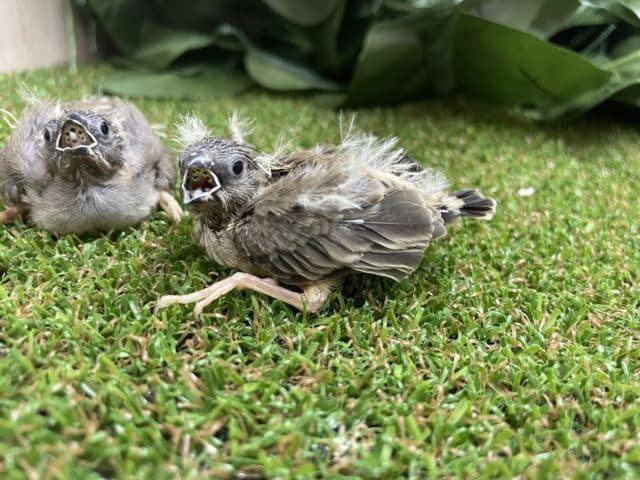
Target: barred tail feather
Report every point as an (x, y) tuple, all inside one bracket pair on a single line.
[(467, 203)]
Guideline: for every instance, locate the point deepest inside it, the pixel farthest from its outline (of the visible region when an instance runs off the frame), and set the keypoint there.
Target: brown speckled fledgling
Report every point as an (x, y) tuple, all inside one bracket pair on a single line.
[(309, 218), (84, 167)]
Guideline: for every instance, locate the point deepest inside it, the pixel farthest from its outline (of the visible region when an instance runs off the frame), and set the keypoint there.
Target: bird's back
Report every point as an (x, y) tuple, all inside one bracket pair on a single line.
[(328, 213)]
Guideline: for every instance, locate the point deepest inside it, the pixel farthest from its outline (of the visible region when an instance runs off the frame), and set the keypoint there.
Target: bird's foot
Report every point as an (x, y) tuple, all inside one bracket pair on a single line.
[(310, 300), (9, 214), (171, 207)]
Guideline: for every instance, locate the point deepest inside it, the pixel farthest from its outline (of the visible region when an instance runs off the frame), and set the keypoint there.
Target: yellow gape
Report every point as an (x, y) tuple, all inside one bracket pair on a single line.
[(74, 135)]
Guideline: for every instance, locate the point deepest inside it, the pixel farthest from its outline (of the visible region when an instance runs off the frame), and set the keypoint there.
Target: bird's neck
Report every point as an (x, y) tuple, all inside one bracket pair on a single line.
[(214, 220), (84, 177)]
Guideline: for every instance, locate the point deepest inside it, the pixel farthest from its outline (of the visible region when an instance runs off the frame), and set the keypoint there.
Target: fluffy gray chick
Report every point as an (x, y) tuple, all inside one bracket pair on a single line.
[(84, 167), (307, 219)]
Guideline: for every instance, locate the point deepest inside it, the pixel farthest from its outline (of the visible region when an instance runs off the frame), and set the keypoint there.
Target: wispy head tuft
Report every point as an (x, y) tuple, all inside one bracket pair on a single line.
[(190, 130), (273, 160), (240, 128)]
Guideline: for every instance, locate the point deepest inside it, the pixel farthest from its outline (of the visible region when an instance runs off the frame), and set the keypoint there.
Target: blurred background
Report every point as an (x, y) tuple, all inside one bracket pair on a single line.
[(548, 58)]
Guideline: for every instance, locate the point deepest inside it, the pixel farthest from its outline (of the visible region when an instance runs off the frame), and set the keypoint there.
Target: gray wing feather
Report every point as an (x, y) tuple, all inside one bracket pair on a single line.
[(300, 243)]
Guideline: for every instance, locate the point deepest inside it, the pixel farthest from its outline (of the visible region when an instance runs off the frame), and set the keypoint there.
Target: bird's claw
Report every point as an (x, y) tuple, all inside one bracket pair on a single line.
[(171, 207), (9, 214)]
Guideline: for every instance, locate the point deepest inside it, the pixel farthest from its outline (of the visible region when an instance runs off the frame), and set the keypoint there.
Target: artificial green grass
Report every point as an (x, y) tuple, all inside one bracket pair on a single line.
[(513, 351)]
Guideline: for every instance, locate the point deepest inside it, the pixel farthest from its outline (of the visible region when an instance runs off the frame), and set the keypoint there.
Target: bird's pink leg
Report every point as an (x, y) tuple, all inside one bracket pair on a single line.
[(9, 214), (310, 300)]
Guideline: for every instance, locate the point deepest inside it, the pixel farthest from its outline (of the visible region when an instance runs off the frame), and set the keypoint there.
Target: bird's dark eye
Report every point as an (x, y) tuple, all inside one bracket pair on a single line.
[(104, 128), (47, 134), (237, 167)]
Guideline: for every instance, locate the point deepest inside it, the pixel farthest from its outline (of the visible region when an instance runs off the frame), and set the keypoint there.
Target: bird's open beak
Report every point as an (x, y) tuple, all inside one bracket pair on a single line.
[(199, 184), (75, 138)]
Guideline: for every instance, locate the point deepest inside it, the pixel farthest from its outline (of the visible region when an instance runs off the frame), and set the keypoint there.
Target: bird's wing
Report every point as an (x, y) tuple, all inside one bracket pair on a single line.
[(319, 222), (23, 159), (145, 150)]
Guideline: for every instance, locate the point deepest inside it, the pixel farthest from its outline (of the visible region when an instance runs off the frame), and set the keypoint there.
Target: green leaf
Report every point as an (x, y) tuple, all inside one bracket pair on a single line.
[(197, 15), (330, 53), (627, 10), (412, 6), (626, 69), (162, 46), (625, 47), (517, 15), (500, 64), (207, 86), (305, 13), (121, 20), (276, 73), (385, 51), (629, 96), (542, 18), (405, 58), (533, 73), (556, 15)]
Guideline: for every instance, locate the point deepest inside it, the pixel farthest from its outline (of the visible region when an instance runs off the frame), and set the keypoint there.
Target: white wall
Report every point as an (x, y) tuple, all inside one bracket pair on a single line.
[(33, 34)]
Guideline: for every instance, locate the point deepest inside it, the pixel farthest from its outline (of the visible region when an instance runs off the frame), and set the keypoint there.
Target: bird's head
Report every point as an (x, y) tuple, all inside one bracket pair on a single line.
[(219, 175), (85, 141)]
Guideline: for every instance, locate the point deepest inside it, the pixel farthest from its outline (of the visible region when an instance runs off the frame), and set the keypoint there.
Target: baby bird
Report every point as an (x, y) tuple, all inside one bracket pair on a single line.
[(84, 167), (307, 219)]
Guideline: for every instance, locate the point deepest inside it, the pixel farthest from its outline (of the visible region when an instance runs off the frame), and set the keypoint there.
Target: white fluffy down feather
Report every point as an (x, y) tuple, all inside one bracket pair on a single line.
[(362, 150)]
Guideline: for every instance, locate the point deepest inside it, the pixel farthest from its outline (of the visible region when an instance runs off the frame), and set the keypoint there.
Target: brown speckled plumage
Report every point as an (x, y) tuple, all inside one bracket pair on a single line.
[(309, 218)]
